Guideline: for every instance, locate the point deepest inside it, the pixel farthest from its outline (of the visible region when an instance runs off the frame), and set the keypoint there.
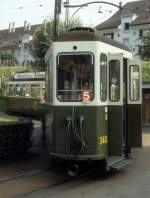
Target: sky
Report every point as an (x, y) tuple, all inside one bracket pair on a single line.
[(35, 11)]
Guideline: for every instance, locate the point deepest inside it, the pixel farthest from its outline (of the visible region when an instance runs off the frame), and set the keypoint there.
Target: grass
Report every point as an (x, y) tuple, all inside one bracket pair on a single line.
[(4, 118)]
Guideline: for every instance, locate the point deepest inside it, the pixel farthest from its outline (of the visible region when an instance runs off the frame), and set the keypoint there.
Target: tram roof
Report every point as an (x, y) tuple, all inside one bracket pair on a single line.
[(88, 36)]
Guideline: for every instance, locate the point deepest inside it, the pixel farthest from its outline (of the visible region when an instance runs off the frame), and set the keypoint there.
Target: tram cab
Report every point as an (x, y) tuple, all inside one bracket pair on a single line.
[(94, 99)]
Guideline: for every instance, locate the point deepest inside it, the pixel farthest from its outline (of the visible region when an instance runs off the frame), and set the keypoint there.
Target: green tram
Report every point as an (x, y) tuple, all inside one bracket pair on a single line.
[(93, 100)]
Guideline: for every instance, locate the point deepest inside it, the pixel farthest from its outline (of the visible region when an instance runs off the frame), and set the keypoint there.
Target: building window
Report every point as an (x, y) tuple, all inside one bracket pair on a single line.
[(25, 57), (112, 35), (139, 50), (109, 35), (143, 32), (25, 45), (126, 26), (126, 42), (140, 33), (146, 32)]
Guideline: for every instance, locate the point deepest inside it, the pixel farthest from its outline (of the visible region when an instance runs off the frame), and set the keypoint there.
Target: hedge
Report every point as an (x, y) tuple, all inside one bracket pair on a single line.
[(146, 71), (15, 139)]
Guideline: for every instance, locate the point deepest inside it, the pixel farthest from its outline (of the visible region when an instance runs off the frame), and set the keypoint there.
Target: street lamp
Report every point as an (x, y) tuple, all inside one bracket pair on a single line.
[(66, 5), (57, 12), (93, 2)]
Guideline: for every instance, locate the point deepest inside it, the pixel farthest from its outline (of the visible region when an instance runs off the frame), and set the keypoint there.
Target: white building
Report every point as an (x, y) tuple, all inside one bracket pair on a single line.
[(16, 42), (129, 25)]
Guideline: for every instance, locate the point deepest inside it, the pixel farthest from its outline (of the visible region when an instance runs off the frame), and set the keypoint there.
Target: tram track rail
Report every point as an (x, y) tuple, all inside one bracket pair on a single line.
[(60, 186), (27, 158), (24, 175)]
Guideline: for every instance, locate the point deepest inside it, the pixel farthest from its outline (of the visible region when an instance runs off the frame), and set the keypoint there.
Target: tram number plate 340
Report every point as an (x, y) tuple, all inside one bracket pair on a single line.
[(103, 140)]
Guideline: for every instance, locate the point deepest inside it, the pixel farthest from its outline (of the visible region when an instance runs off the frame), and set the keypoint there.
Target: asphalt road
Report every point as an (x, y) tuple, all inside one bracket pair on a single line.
[(130, 182)]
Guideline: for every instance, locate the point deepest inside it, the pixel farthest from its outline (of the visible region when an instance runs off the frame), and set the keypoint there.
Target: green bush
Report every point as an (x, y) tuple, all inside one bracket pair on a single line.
[(1, 92), (15, 139)]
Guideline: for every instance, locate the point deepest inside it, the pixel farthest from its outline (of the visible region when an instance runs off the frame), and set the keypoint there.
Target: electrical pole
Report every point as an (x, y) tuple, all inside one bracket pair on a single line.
[(57, 12), (67, 15)]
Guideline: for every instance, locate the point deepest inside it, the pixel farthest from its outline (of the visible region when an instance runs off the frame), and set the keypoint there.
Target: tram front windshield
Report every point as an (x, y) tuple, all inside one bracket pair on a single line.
[(75, 76)]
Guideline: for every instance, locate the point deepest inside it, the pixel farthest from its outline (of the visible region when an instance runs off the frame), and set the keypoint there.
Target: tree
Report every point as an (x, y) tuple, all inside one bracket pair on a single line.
[(146, 71), (8, 59), (43, 38), (40, 44), (145, 48)]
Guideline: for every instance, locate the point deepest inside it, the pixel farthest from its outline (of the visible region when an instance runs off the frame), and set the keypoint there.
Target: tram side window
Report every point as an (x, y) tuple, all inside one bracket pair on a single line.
[(75, 77), (43, 92), (7, 90), (11, 90), (25, 90), (103, 77), (114, 80), (18, 90), (134, 82), (49, 80), (35, 90)]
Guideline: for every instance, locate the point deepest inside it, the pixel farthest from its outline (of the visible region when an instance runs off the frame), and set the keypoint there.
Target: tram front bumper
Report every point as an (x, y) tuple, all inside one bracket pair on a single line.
[(77, 157)]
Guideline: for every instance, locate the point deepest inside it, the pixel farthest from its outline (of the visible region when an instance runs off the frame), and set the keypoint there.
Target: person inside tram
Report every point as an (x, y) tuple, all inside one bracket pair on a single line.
[(114, 89)]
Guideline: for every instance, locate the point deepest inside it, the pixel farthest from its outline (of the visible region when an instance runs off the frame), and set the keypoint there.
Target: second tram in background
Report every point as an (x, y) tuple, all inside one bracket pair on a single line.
[(29, 84), (25, 94), (94, 100)]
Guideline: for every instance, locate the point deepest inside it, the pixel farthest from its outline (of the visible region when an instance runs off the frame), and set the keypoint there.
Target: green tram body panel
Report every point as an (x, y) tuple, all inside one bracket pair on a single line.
[(134, 117), (115, 130), (94, 127)]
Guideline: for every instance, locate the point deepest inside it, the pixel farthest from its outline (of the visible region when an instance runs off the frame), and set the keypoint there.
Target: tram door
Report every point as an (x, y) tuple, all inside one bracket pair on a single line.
[(134, 106), (116, 104)]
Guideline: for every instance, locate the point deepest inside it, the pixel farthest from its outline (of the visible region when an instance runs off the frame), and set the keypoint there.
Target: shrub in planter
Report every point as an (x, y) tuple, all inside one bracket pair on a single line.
[(15, 139)]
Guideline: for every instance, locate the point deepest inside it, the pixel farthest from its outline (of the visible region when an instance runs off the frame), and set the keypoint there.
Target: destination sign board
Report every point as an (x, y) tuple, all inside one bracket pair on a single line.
[(29, 75)]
